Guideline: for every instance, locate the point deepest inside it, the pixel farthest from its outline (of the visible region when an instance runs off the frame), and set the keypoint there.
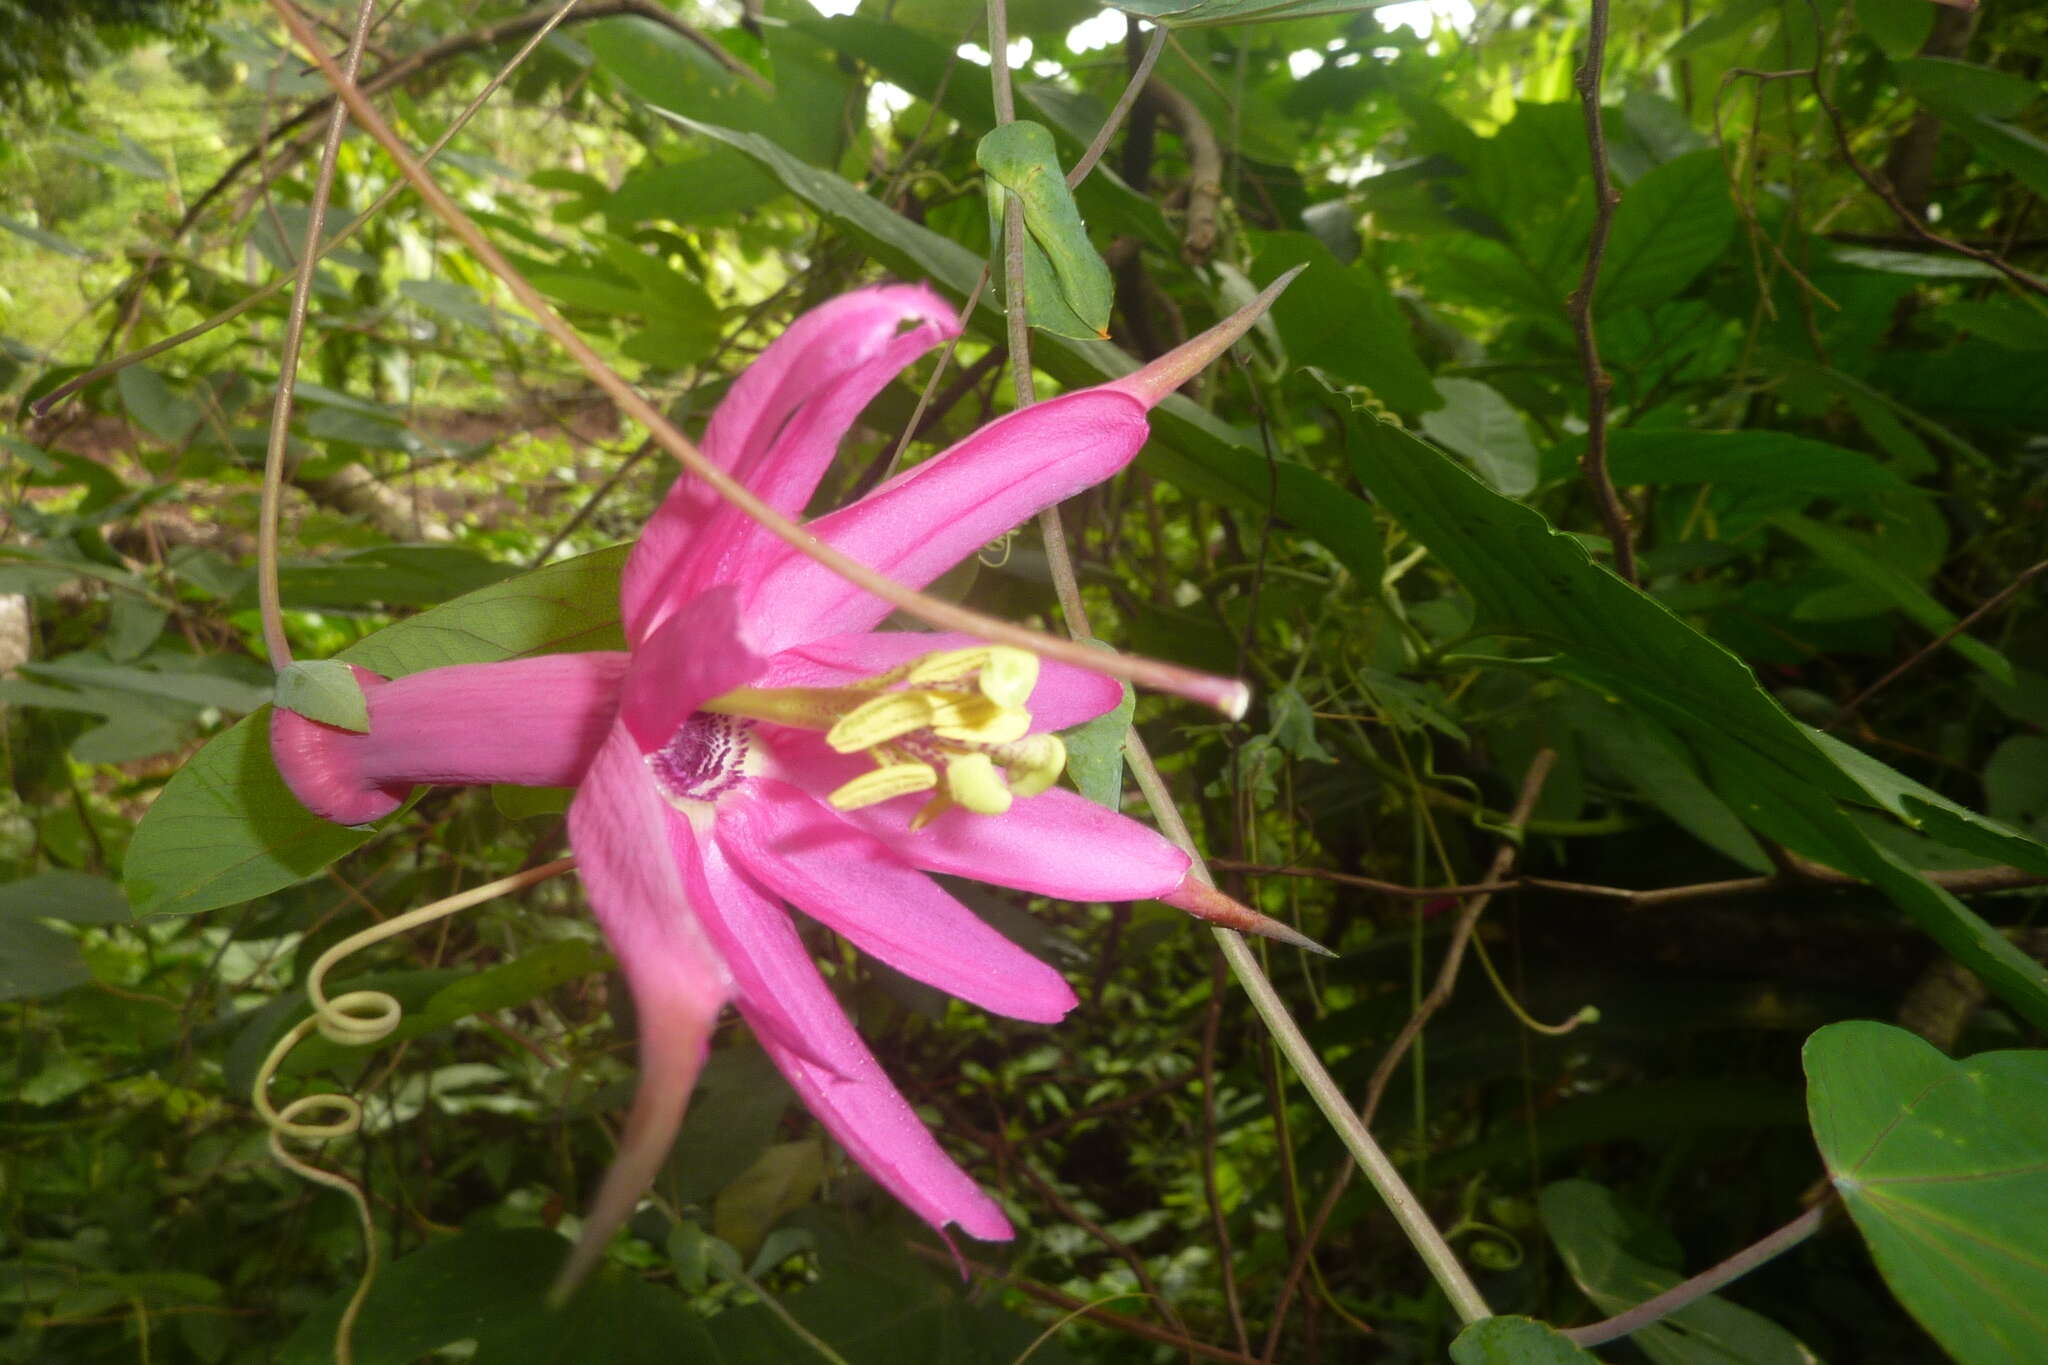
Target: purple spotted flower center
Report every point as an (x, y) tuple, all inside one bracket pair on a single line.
[(702, 761)]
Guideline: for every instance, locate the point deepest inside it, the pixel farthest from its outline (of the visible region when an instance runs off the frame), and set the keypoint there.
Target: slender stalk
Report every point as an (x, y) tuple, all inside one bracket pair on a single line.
[(1228, 695), (1706, 1282), (1155, 45), (1429, 1243), (1593, 464), (267, 598)]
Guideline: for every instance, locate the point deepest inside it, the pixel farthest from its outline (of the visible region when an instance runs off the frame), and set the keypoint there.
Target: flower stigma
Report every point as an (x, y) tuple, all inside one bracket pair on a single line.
[(952, 723)]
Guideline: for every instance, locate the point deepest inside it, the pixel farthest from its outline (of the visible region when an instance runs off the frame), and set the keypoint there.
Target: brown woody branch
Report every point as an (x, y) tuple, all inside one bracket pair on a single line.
[(1599, 384)]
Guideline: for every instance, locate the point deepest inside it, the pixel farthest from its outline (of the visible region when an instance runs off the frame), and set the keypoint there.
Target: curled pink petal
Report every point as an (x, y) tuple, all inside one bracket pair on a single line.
[(777, 430), (1065, 695), (1056, 843), (843, 878), (619, 827), (534, 722), (927, 519), (845, 1087), (695, 654)]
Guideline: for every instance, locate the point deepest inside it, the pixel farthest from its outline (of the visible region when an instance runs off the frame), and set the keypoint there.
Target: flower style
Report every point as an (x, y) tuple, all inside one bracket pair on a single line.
[(761, 743)]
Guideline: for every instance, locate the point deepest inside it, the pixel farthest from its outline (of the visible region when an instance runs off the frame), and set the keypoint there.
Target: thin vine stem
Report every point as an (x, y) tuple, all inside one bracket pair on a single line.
[(356, 1019), (268, 601), (1429, 1243)]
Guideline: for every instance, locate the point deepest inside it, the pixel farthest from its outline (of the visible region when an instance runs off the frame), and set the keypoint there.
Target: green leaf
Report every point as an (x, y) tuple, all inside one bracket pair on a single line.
[(49, 241), (491, 1287), (1932, 813), (2014, 148), (1898, 27), (1516, 1341), (36, 960), (1748, 459), (384, 575), (1670, 225), (75, 897), (1944, 1167), (325, 690), (1479, 424), (1021, 158), (1620, 1258), (1095, 752), (226, 828), (186, 688), (1963, 89), (1191, 448), (1530, 581), (1846, 554), (1344, 321)]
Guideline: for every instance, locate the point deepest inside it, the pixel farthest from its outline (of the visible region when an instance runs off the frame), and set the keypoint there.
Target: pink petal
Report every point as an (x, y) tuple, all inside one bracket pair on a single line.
[(803, 852), (697, 653), (928, 519), (777, 430), (619, 827), (1056, 844), (533, 722), (1065, 695), (778, 984)]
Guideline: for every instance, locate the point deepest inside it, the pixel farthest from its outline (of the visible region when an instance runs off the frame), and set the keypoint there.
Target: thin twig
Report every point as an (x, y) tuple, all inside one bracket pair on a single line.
[(1439, 992), (349, 229), (1593, 464), (1704, 1283), (1227, 695), (1442, 1262), (1969, 881), (1153, 47), (1909, 220), (1989, 605), (1116, 1322), (268, 600)]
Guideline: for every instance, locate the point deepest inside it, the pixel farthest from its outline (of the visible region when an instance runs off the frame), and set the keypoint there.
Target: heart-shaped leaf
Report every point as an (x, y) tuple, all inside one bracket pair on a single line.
[(1944, 1167)]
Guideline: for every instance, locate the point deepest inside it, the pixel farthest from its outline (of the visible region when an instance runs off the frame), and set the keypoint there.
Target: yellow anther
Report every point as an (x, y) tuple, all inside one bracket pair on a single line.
[(1009, 676), (884, 784), (1035, 764), (971, 780), (945, 665), (881, 719), (977, 720)]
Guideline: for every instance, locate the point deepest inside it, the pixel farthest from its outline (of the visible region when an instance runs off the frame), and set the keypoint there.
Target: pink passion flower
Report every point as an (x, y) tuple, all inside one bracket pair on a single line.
[(761, 744)]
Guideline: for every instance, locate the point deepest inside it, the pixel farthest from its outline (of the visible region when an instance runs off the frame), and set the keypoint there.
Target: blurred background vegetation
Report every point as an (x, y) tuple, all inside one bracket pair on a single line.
[(1821, 310)]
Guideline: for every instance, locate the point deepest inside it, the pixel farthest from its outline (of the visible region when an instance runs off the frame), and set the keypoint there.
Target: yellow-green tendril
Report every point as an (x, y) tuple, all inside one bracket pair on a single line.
[(951, 722), (356, 1019)]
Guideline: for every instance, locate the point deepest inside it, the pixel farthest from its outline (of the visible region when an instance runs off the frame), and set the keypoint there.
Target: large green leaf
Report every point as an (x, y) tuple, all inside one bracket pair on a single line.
[(1516, 1341), (1965, 90), (1193, 450), (1851, 556), (491, 1288), (226, 828), (1621, 1258), (1533, 582), (1670, 225), (1483, 427), (1342, 319), (1944, 1167)]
